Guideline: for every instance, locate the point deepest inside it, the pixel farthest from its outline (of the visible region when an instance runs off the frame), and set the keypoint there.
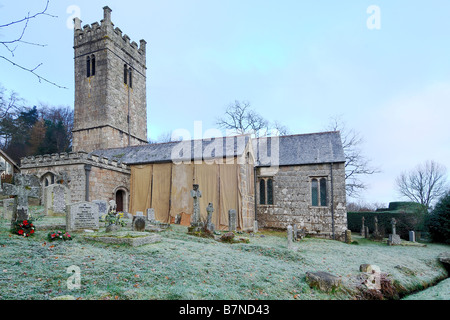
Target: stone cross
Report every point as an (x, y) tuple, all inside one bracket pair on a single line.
[(393, 222), (209, 224), (24, 186), (196, 194), (231, 220)]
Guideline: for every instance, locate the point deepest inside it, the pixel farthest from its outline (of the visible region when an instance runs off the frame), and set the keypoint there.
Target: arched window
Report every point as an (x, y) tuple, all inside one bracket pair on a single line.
[(93, 65), (262, 191), (323, 192), (125, 74), (88, 67), (269, 191), (314, 192), (131, 78)]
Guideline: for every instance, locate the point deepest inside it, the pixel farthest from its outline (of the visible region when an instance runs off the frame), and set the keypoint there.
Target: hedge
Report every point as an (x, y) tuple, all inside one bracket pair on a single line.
[(405, 222)]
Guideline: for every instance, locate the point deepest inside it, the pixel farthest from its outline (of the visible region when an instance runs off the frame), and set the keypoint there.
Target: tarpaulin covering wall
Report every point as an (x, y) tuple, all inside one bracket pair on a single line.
[(166, 188)]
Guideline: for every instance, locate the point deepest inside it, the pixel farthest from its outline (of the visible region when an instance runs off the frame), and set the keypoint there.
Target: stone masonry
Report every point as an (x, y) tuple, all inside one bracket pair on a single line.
[(108, 112), (292, 200)]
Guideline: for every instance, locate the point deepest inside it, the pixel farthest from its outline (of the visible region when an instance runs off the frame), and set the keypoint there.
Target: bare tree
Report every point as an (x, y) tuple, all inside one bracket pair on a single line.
[(424, 184), (11, 44), (356, 164), (240, 118)]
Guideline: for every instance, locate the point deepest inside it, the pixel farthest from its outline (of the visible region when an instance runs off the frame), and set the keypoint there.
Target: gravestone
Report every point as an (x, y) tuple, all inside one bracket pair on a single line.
[(56, 200), (289, 236), (102, 207), (394, 239), (209, 224), (231, 220), (112, 206), (151, 215), (196, 194), (348, 236), (366, 232), (376, 235), (363, 229), (8, 208), (138, 223), (295, 231), (178, 219), (139, 213), (82, 216), (255, 226), (412, 236), (24, 186)]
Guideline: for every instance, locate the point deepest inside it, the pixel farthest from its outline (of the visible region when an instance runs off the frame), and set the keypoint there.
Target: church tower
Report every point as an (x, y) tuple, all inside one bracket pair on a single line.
[(110, 87)]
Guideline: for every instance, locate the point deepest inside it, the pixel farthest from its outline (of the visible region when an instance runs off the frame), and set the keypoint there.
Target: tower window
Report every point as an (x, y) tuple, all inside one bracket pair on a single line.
[(131, 78), (125, 74), (90, 66)]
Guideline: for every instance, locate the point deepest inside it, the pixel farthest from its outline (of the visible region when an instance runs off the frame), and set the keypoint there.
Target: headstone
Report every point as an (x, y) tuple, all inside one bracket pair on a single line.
[(102, 207), (348, 236), (376, 235), (138, 223), (231, 220), (209, 224), (82, 216), (151, 215), (112, 206), (56, 200), (139, 213), (8, 208), (196, 194), (295, 231), (366, 232), (289, 236), (363, 230), (24, 186), (178, 219), (255, 226), (412, 236)]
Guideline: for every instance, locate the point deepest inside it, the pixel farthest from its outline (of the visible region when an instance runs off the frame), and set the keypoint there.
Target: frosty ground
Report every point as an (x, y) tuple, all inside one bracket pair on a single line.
[(182, 266)]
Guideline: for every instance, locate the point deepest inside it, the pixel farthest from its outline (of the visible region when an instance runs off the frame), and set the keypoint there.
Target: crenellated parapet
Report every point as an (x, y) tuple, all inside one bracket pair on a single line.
[(72, 158), (105, 30)]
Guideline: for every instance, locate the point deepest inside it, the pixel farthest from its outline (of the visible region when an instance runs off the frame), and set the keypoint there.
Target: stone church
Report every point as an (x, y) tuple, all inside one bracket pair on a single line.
[(277, 181)]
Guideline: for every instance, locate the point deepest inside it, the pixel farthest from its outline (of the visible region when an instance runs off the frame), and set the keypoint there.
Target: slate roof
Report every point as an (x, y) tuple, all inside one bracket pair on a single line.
[(178, 150), (313, 148)]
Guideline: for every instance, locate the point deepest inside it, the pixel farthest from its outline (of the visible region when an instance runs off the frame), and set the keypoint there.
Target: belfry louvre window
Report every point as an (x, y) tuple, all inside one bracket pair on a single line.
[(90, 66), (266, 191), (319, 192)]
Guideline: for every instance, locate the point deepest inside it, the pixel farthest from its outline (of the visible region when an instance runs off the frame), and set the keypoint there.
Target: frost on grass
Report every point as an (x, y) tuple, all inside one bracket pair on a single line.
[(187, 267)]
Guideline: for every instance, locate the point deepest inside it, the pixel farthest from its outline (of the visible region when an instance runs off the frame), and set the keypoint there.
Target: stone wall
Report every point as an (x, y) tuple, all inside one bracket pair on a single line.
[(292, 200), (104, 175)]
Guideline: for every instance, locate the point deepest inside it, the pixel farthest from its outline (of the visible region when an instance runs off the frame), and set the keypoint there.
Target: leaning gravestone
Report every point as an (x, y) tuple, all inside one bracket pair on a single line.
[(231, 220), (82, 216), (8, 208), (24, 186), (56, 200), (209, 225)]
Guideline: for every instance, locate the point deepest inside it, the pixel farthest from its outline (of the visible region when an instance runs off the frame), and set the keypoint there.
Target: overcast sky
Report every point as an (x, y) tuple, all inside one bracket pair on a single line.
[(382, 66)]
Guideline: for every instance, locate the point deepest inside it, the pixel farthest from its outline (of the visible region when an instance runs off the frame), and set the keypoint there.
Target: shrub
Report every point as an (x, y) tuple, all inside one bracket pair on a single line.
[(438, 221)]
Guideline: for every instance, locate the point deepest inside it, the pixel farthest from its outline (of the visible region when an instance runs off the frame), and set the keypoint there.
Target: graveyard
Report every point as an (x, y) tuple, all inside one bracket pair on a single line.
[(179, 265)]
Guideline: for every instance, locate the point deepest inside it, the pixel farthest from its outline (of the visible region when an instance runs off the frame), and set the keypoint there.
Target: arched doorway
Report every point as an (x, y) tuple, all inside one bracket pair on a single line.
[(120, 200)]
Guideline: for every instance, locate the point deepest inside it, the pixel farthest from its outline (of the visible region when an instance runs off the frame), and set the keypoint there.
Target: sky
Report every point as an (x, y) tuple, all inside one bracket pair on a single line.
[(382, 67)]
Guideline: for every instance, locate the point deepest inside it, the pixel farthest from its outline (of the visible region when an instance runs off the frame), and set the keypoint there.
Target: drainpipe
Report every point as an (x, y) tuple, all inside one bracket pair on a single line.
[(332, 201), (254, 186), (87, 171)]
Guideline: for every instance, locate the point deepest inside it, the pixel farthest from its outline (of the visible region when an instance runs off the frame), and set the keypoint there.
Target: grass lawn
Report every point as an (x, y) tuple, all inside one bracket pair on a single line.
[(182, 266)]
